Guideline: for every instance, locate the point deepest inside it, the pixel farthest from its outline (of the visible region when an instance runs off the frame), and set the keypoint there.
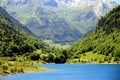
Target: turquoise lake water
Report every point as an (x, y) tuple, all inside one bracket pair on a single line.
[(71, 72)]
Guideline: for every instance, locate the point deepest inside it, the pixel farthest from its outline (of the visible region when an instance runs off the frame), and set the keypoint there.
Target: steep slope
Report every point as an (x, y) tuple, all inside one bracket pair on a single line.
[(61, 21), (104, 40), (14, 42), (13, 38)]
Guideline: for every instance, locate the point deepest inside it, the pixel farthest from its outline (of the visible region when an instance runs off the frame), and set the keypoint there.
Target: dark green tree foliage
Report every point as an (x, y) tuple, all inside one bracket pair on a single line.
[(34, 56), (4, 67), (105, 39), (55, 55), (60, 59), (13, 39), (110, 21)]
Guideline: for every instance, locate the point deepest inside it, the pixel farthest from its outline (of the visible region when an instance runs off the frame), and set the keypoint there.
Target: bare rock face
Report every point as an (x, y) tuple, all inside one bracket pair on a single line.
[(70, 3), (16, 3), (110, 3)]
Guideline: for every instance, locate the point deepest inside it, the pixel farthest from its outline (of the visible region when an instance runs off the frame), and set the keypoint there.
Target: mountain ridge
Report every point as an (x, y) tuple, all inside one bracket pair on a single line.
[(58, 22)]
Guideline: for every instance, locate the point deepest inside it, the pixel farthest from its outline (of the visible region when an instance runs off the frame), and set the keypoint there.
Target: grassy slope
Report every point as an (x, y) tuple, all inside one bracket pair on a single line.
[(74, 30), (14, 40), (15, 43), (19, 66), (93, 58), (104, 40)]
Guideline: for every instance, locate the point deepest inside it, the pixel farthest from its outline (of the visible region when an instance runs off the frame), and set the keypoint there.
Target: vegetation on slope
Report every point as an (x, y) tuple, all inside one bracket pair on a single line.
[(16, 65), (104, 40), (46, 23), (17, 47), (55, 21), (13, 39)]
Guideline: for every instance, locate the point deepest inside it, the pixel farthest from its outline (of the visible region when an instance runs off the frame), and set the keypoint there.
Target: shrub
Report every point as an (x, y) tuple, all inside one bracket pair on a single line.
[(21, 70), (10, 64), (13, 59), (0, 62), (14, 70), (34, 56), (5, 67)]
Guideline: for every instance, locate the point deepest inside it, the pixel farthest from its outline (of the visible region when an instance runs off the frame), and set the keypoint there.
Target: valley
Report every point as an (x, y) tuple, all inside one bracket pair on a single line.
[(28, 35), (63, 22)]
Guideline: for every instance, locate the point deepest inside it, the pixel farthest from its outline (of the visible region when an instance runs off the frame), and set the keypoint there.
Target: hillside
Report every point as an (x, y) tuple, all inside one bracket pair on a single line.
[(103, 41), (13, 38), (16, 44), (62, 21)]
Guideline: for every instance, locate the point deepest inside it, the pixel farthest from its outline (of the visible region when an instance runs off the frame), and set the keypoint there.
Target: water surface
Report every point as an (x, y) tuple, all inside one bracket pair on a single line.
[(71, 72)]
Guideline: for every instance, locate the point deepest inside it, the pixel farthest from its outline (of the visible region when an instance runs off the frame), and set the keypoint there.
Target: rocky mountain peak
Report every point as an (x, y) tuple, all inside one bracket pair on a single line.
[(110, 3), (87, 3), (80, 3), (54, 3)]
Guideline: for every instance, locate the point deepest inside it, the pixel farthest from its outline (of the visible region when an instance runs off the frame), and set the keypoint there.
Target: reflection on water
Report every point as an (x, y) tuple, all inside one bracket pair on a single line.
[(71, 72)]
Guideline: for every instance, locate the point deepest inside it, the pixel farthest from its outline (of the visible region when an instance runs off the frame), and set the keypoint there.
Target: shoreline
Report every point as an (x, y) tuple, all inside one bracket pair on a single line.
[(38, 69), (15, 67), (33, 68)]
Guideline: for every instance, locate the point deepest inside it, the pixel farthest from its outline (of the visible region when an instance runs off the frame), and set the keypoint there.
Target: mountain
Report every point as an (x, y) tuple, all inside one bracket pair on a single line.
[(14, 39), (62, 21), (16, 42), (103, 40)]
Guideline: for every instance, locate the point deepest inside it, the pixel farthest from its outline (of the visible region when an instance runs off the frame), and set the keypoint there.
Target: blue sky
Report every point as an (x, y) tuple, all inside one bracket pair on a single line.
[(118, 1)]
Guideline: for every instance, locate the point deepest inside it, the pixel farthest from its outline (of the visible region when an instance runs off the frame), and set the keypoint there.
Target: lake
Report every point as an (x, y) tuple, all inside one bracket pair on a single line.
[(71, 72)]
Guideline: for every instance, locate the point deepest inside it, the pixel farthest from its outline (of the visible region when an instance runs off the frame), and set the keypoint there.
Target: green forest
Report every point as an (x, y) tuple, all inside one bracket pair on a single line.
[(19, 46), (13, 39), (104, 39), (16, 41)]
